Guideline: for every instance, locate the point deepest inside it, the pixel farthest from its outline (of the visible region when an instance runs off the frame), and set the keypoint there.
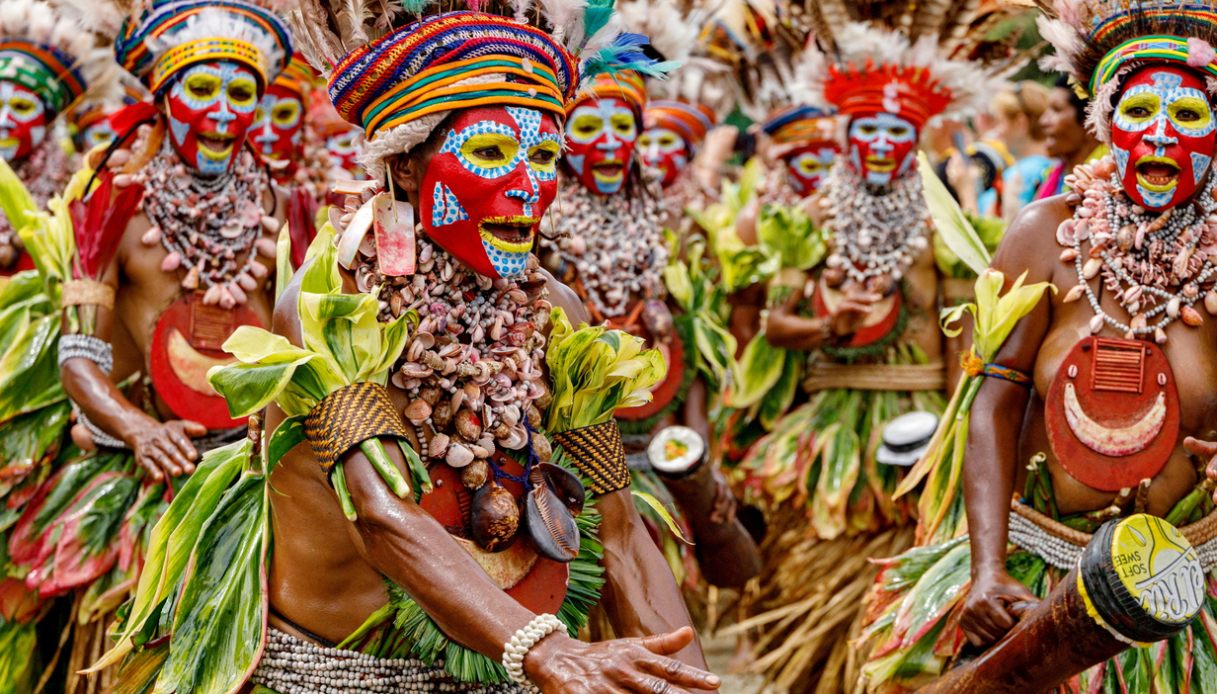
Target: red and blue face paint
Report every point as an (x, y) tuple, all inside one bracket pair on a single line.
[(210, 108), (278, 128), (601, 134), (23, 121)]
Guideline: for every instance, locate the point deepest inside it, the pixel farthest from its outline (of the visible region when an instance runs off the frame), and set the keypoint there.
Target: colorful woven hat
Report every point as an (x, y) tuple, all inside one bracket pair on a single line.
[(47, 53), (915, 60), (800, 124), (1099, 42), (690, 121), (298, 77), (168, 36), (628, 85)]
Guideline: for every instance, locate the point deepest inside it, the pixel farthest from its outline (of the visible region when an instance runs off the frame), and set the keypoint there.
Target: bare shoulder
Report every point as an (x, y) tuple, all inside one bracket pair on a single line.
[(566, 299), (1030, 241)]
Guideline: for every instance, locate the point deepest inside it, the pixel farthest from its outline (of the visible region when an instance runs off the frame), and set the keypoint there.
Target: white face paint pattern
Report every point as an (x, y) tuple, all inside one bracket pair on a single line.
[(18, 108), (884, 136), (218, 108)]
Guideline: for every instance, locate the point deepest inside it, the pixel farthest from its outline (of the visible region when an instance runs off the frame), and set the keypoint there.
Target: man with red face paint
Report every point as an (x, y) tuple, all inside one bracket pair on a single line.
[(473, 579), (42, 72), (864, 317), (1133, 266), (174, 249)]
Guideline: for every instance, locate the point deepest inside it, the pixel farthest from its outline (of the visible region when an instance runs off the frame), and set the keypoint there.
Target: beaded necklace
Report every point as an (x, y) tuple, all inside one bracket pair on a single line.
[(208, 226), (875, 235), (614, 242), (472, 368), (1157, 265), (44, 173)]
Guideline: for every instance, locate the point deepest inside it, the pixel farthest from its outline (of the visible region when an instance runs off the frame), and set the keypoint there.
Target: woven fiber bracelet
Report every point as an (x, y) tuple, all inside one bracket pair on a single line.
[(522, 642), (348, 417), (87, 292), (598, 453)]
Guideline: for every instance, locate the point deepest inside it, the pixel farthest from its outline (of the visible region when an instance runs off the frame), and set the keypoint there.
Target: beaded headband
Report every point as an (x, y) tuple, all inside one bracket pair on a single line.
[(626, 85), (691, 121), (448, 62), (158, 45), (42, 69), (1172, 49)]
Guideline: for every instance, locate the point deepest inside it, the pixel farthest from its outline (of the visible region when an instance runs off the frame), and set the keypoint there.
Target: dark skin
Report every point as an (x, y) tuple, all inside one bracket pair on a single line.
[(161, 444), (1063, 125), (1008, 421), (329, 579)]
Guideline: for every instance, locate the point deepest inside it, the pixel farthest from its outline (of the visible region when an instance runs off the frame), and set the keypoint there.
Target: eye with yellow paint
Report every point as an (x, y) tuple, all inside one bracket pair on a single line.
[(285, 114), (1190, 112), (242, 91), (1140, 108), (22, 106), (587, 125), (490, 150), (202, 85), (623, 125), (544, 157), (810, 167)]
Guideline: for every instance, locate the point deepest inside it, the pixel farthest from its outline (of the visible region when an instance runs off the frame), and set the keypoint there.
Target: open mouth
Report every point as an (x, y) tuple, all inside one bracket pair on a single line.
[(509, 234), (215, 145), (881, 164), (1157, 174), (609, 170)]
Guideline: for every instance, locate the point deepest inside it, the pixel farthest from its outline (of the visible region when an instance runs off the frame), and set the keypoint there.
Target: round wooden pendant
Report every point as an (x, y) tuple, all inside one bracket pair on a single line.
[(185, 345), (534, 581), (1113, 412), (882, 319), (665, 391)]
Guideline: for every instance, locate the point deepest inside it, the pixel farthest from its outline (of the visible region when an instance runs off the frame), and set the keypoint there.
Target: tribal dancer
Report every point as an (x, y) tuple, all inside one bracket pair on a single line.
[(180, 226), (89, 120), (867, 317), (466, 566), (44, 67), (1088, 421)]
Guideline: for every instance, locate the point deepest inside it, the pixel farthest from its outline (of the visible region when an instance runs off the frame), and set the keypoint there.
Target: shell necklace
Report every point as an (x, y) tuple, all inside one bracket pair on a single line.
[(875, 237), (614, 242), (472, 368), (1156, 264), (209, 226)]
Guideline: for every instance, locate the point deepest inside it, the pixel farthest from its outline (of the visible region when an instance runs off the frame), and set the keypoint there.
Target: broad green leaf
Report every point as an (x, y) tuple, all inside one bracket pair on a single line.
[(283, 261), (16, 202), (288, 435), (949, 220), (756, 372)]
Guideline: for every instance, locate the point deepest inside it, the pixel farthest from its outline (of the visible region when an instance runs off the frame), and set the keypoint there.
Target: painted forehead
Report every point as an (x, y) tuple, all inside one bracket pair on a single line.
[(1165, 80), (605, 108), (514, 120), (888, 122)]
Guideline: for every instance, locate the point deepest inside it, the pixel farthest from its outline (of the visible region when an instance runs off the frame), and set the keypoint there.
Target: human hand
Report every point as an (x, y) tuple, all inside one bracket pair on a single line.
[(559, 664), (851, 313), (995, 603), (164, 448), (1206, 450)]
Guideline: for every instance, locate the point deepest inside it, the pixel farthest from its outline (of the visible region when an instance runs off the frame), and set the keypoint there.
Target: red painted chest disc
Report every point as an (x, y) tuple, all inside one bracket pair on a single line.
[(185, 345), (534, 581), (882, 319), (1113, 412)]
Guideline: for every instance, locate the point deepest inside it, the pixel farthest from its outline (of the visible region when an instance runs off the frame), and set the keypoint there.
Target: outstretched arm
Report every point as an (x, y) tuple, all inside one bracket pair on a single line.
[(991, 466)]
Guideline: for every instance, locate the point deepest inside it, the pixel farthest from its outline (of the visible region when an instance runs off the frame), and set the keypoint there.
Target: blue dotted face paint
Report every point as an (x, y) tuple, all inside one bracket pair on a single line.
[(488, 186), (210, 109)]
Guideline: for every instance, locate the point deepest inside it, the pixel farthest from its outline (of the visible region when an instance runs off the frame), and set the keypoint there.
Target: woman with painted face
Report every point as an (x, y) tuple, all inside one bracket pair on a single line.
[(473, 577), (1095, 423), (865, 317), (173, 250)]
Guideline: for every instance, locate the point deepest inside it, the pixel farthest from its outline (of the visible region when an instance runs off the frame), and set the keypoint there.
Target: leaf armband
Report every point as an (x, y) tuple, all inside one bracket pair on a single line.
[(598, 453), (349, 416)]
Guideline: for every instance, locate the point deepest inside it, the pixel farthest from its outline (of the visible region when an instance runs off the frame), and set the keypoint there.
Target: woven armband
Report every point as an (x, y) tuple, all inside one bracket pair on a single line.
[(349, 416), (598, 453), (87, 292)]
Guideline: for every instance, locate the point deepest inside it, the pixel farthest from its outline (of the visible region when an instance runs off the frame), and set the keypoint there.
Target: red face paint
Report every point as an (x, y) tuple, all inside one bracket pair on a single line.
[(665, 150), (600, 135), (210, 108), (278, 128), (1162, 136), (23, 121), (882, 147), (807, 166), (487, 187)]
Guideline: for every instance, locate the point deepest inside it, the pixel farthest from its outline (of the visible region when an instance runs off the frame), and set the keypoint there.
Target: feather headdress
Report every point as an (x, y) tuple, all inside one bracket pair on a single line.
[(1099, 42), (397, 69), (920, 60), (160, 38), (47, 52)]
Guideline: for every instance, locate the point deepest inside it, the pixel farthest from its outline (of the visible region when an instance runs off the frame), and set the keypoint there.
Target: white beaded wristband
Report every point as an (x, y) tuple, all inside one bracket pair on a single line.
[(522, 642)]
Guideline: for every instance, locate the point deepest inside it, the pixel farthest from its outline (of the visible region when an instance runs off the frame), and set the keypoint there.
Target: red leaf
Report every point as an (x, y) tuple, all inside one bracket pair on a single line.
[(105, 218), (300, 210)]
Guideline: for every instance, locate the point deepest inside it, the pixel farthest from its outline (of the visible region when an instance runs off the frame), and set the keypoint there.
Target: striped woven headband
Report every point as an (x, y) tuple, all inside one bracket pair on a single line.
[(1197, 15), (131, 48), (690, 121), (626, 85), (43, 70), (1158, 48), (203, 50), (448, 62)]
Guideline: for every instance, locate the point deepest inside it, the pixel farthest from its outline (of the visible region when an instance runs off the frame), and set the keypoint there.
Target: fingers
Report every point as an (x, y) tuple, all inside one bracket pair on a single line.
[(168, 456), (185, 449), (193, 429), (667, 644), (151, 460), (680, 674), (987, 623), (645, 684)]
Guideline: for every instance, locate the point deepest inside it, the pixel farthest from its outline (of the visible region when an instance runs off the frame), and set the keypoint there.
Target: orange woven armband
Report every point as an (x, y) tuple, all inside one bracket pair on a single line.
[(348, 417), (598, 453)]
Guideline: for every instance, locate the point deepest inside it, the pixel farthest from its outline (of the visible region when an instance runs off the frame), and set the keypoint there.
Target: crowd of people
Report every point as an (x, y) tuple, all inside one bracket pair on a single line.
[(513, 346)]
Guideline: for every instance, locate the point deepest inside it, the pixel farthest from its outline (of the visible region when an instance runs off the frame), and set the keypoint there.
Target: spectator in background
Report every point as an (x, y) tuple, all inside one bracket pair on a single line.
[(1068, 140), (1017, 114)]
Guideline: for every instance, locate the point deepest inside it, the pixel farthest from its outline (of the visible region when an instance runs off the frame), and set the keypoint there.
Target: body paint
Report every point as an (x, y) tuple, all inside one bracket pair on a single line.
[(808, 166), (882, 147), (278, 128), (665, 150), (23, 121)]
